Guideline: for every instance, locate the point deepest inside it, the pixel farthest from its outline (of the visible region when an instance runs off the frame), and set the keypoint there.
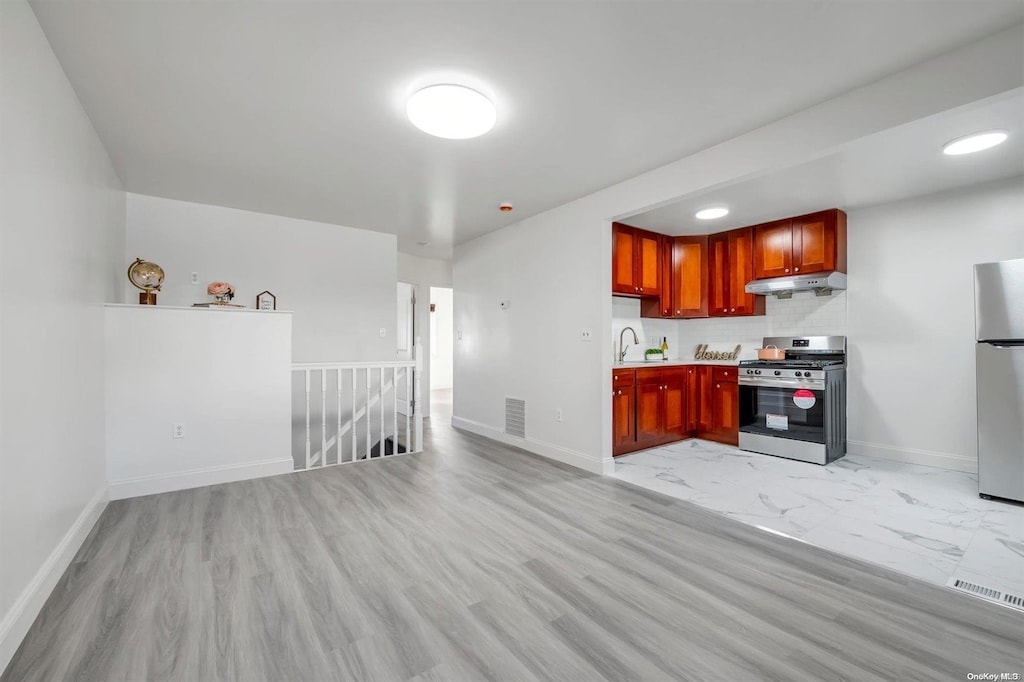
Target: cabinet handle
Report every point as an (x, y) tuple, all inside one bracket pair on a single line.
[(718, 385), (666, 312), (619, 393), (678, 312), (796, 269), (732, 310), (787, 269), (641, 288)]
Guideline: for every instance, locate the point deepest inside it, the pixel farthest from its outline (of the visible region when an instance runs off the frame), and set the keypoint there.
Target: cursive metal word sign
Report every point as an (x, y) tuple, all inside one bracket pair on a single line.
[(704, 354)]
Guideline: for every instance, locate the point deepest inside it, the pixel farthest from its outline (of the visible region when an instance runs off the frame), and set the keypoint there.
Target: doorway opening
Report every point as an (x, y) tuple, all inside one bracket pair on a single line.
[(442, 351)]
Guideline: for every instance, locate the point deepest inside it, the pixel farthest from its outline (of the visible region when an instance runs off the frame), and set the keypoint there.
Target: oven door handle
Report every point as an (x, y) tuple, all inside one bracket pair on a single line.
[(781, 382)]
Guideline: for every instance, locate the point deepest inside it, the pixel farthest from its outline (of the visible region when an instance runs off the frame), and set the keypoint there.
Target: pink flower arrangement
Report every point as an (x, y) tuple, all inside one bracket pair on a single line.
[(222, 290)]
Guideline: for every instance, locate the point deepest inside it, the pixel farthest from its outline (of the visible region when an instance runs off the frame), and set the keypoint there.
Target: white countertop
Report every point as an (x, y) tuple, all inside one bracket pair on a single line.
[(674, 363)]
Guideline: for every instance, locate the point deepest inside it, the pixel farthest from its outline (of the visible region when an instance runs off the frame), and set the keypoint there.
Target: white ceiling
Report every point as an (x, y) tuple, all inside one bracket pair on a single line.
[(902, 162), (297, 108)]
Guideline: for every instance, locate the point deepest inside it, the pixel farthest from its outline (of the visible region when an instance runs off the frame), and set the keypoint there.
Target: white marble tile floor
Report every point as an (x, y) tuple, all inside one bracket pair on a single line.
[(927, 522)]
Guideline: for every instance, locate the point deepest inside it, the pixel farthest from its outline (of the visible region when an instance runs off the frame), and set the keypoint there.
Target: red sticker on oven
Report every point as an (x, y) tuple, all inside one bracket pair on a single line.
[(804, 399)]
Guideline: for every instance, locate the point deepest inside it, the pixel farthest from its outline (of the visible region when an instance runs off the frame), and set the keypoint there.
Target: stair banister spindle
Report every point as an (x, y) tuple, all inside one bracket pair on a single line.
[(380, 401), (394, 406), (337, 436), (307, 419), (355, 446), (323, 417), (369, 429)]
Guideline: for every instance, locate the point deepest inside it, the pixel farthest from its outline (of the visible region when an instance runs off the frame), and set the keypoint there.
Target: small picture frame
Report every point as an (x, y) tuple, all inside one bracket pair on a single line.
[(266, 301)]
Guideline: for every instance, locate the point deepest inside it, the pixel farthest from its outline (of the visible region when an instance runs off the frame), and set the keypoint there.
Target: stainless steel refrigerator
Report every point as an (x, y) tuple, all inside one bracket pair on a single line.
[(999, 321)]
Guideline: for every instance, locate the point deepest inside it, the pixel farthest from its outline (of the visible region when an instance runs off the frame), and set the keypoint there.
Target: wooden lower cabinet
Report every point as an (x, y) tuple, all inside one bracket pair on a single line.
[(658, 405)]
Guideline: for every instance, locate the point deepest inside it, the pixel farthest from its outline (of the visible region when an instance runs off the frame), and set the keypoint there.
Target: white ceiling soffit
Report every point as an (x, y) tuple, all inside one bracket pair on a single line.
[(899, 163), (297, 108)]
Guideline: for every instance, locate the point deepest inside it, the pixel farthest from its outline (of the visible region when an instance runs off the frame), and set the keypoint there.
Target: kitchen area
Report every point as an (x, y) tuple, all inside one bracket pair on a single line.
[(730, 391)]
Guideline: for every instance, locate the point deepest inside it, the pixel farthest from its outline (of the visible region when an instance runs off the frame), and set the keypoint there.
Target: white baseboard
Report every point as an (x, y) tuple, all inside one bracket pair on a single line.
[(17, 621), (197, 478), (942, 460), (556, 452)]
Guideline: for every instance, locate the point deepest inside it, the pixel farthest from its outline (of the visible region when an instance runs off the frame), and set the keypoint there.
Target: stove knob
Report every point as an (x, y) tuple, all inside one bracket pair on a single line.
[(757, 371), (778, 373)]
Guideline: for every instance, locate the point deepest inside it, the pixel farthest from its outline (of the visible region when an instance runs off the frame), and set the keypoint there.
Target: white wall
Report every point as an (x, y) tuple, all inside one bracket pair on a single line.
[(224, 374), (911, 319), (62, 218), (441, 321), (339, 281), (556, 266), (424, 273)]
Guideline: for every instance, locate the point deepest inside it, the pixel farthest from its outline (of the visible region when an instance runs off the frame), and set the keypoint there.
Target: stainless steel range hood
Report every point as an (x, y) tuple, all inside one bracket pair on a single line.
[(822, 284)]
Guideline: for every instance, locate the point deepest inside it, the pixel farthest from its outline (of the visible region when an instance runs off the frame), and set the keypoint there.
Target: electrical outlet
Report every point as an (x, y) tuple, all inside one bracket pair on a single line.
[(558, 415), (586, 334), (383, 332), (177, 430), (195, 278)]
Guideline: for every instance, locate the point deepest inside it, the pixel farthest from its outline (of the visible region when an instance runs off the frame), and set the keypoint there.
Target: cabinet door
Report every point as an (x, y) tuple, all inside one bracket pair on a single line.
[(623, 259), (648, 263), (773, 249), (689, 277), (661, 306), (673, 399), (648, 412), (623, 419), (718, 274), (704, 397), (816, 243), (725, 419), (741, 271), (692, 402)]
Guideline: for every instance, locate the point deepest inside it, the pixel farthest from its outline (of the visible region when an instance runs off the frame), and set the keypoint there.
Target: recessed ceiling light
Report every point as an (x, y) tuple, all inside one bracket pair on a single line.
[(453, 112), (712, 213), (975, 142)]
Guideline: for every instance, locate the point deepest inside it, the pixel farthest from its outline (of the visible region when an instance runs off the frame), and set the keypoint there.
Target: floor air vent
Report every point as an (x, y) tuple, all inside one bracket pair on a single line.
[(998, 596), (515, 417)]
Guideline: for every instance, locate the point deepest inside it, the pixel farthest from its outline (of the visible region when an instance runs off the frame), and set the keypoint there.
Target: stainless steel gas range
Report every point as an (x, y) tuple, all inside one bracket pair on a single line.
[(796, 408)]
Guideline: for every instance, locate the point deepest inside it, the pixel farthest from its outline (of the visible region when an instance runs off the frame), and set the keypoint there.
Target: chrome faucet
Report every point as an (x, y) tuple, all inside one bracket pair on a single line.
[(622, 347)]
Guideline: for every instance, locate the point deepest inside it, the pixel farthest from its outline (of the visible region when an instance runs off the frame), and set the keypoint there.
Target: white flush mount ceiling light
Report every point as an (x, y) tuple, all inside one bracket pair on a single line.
[(712, 213), (453, 112), (975, 142)]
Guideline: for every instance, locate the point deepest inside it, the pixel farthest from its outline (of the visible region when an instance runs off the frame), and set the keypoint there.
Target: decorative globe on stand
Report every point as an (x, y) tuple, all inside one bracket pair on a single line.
[(148, 277)]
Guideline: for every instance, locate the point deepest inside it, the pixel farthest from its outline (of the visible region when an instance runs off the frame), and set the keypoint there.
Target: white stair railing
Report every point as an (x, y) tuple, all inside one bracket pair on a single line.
[(365, 410)]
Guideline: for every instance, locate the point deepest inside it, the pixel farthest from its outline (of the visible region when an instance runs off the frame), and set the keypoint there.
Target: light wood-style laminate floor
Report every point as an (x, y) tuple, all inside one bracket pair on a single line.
[(477, 561)]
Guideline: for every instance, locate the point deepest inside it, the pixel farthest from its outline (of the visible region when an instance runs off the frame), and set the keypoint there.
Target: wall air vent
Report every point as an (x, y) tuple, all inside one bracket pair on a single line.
[(1005, 598), (515, 417)]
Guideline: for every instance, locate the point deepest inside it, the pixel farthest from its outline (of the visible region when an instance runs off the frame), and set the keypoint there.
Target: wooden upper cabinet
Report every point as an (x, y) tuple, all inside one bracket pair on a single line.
[(819, 242), (623, 259), (806, 244), (636, 261), (648, 276), (773, 249), (689, 285), (730, 267), (741, 271), (718, 274)]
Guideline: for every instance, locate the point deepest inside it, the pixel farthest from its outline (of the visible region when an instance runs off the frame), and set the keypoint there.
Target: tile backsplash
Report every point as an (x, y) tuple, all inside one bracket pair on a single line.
[(803, 315)]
